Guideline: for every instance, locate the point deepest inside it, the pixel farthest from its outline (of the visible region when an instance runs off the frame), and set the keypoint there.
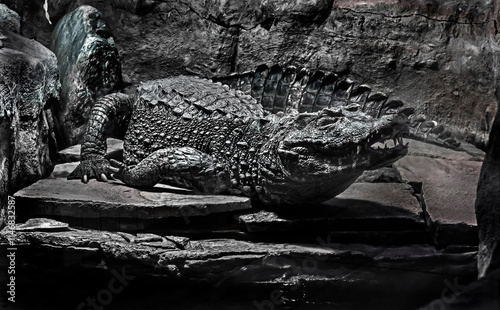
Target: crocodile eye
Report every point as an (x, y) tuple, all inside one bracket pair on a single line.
[(353, 107), (325, 121), (331, 112)]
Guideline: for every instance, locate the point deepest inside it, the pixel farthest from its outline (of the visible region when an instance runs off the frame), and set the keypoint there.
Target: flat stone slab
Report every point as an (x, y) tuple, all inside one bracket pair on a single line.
[(57, 196), (448, 191), (375, 207), (465, 151)]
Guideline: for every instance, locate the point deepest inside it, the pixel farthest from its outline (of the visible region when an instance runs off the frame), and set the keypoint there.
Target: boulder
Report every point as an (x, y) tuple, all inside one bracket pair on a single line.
[(89, 68), (488, 204), (445, 180), (9, 19), (29, 85)]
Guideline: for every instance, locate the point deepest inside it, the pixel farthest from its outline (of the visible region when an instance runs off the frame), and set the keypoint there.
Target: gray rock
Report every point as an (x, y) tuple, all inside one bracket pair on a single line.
[(383, 175), (42, 224), (299, 274), (448, 190), (481, 294), (488, 203), (370, 210), (9, 19), (29, 84), (123, 207), (465, 152), (89, 66)]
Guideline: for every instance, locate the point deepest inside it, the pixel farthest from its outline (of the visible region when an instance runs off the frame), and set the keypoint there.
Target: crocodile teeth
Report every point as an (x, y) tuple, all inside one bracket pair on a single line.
[(359, 150)]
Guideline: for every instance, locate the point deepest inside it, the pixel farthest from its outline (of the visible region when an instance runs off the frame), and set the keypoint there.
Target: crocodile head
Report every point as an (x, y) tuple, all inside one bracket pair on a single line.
[(320, 154)]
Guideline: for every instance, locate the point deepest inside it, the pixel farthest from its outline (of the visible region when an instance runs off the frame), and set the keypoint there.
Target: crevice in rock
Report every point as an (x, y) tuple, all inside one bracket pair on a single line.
[(418, 193)]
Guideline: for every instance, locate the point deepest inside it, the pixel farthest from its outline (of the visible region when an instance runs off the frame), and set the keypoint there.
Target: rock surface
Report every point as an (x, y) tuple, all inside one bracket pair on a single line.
[(89, 68), (379, 213), (29, 84), (446, 181), (58, 197), (482, 294), (9, 19), (488, 203), (315, 275)]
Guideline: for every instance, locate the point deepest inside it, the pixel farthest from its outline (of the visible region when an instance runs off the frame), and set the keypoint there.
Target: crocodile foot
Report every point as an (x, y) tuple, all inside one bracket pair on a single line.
[(118, 169), (96, 168)]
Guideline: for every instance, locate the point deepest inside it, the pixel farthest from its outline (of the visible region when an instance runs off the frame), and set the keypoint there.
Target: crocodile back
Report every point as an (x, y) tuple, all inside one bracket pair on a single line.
[(189, 96)]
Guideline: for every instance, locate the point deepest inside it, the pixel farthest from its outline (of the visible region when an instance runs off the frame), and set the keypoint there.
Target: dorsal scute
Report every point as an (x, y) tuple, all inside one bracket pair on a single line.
[(287, 88), (188, 96)]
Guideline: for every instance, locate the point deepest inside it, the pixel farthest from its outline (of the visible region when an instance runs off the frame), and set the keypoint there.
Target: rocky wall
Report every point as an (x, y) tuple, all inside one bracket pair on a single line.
[(89, 67), (437, 56), (29, 84)]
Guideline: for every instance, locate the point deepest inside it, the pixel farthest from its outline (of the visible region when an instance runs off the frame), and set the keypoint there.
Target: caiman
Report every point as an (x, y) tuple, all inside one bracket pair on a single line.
[(195, 133)]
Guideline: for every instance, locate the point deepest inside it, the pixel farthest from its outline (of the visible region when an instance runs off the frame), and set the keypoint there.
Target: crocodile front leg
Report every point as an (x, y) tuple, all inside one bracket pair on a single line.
[(109, 116), (182, 166)]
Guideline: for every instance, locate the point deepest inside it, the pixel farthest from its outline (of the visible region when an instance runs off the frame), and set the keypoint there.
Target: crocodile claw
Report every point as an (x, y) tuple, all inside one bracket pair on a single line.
[(92, 169), (117, 168)]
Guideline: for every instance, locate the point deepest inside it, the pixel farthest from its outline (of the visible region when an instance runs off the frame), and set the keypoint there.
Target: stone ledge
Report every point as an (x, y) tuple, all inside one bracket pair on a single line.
[(56, 196), (362, 207), (324, 272), (448, 189)]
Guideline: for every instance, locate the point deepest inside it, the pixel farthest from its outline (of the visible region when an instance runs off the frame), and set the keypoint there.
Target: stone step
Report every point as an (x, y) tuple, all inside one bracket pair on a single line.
[(378, 213), (446, 180), (114, 206), (291, 274)]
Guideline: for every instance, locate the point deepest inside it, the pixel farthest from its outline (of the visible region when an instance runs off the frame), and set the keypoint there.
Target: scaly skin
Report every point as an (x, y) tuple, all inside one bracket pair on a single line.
[(196, 133)]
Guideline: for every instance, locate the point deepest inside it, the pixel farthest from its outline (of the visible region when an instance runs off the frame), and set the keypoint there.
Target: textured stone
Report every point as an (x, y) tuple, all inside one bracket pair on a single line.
[(89, 68), (28, 86), (56, 197), (465, 152), (42, 224), (383, 175), (322, 274), (448, 190), (481, 294), (488, 203), (373, 209), (9, 19)]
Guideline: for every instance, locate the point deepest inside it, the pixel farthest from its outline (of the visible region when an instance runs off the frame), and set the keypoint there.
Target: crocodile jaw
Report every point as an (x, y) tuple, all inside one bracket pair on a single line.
[(303, 165)]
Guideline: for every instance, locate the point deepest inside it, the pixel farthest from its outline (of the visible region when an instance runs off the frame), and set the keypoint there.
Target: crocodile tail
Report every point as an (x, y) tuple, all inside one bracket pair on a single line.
[(288, 89), (432, 132)]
